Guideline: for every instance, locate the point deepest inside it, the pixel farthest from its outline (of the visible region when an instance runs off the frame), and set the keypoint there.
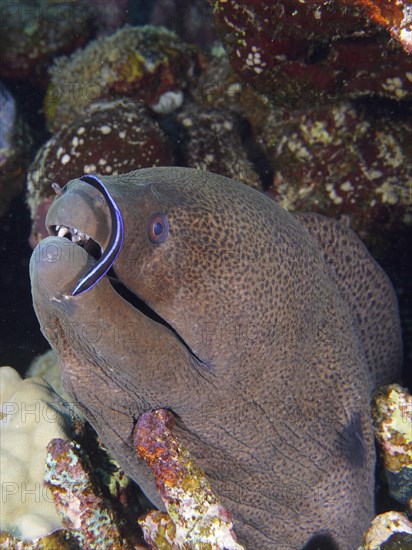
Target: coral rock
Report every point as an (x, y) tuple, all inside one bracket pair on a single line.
[(14, 148), (392, 414), (219, 86), (143, 63), (389, 531), (33, 32), (31, 415), (195, 519), (342, 161), (213, 143), (60, 539), (296, 52), (78, 499), (396, 16)]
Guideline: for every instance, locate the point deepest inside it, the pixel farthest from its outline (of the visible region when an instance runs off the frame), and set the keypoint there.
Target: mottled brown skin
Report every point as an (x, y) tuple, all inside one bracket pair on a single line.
[(278, 328)]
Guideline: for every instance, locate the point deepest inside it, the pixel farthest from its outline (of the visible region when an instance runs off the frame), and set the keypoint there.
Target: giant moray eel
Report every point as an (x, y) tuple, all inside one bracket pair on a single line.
[(264, 332)]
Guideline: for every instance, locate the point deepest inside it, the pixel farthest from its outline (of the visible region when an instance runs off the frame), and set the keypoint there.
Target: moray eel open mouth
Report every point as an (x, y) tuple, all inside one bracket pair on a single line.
[(78, 237), (105, 258), (75, 235)]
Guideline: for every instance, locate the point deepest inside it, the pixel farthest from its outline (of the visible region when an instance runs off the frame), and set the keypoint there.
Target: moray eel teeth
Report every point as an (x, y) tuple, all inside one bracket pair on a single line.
[(71, 233), (108, 256)]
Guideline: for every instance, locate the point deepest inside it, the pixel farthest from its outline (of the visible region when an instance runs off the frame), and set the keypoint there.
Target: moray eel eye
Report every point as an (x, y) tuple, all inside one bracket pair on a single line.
[(158, 228)]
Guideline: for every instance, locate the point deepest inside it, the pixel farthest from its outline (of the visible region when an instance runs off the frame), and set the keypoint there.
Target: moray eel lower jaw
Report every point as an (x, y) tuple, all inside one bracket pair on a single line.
[(85, 241)]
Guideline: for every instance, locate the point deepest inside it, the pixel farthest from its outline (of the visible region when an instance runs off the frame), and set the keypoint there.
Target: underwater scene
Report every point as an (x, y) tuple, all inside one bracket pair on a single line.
[(206, 274)]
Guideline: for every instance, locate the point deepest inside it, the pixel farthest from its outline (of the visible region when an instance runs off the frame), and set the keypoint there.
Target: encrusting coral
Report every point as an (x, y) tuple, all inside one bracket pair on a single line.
[(341, 160), (84, 511), (195, 518), (388, 531), (213, 143), (298, 52), (143, 63), (392, 415)]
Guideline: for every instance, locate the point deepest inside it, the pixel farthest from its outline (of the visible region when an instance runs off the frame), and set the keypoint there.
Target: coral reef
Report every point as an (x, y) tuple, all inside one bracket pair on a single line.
[(91, 521), (351, 159), (33, 32), (109, 138), (299, 52), (84, 511), (213, 143), (219, 86), (144, 63), (396, 16), (191, 20), (389, 531), (60, 539), (31, 415), (46, 366), (392, 415), (195, 518), (341, 160), (14, 148), (58, 513)]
